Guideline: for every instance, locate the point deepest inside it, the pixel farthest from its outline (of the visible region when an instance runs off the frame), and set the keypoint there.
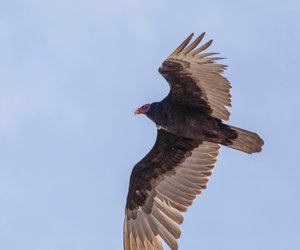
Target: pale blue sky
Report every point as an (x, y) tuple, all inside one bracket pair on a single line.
[(71, 75)]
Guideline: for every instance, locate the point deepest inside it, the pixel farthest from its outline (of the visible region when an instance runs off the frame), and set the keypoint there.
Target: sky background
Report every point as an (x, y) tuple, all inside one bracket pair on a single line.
[(71, 75)]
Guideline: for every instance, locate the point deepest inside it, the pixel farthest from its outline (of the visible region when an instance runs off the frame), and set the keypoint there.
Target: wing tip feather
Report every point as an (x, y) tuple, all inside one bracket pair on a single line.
[(182, 45)]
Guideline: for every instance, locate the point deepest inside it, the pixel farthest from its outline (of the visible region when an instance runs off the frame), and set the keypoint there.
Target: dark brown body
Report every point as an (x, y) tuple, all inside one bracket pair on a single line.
[(190, 122)]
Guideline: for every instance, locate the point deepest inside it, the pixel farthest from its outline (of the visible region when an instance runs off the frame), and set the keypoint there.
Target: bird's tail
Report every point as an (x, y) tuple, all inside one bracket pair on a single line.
[(246, 141)]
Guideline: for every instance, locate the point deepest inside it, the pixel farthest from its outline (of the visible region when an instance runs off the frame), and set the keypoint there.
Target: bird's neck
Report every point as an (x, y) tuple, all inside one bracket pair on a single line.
[(154, 112)]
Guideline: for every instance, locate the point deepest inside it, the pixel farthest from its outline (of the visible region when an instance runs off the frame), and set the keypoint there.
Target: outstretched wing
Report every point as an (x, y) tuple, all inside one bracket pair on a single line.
[(196, 80), (163, 185)]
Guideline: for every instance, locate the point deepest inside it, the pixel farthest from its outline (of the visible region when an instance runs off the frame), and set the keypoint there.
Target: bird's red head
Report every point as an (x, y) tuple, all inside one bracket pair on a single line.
[(143, 110)]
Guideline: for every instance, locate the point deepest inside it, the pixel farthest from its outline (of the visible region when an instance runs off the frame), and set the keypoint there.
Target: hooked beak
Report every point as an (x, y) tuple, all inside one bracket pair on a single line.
[(137, 112)]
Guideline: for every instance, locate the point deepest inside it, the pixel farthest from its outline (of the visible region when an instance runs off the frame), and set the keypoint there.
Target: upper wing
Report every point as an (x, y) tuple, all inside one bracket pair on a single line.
[(163, 185), (196, 80)]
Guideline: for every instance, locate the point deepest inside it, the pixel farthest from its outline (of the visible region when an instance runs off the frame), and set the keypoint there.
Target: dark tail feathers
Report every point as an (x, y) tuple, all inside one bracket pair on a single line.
[(246, 141)]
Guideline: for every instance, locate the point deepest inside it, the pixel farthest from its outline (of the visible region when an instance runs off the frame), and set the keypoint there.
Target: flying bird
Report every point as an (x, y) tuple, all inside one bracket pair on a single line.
[(190, 128)]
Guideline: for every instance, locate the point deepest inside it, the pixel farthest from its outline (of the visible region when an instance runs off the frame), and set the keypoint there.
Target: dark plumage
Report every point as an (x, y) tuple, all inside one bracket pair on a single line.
[(190, 122), (190, 129)]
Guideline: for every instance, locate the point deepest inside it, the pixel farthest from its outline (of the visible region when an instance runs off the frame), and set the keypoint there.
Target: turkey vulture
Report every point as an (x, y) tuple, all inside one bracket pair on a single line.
[(189, 130)]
